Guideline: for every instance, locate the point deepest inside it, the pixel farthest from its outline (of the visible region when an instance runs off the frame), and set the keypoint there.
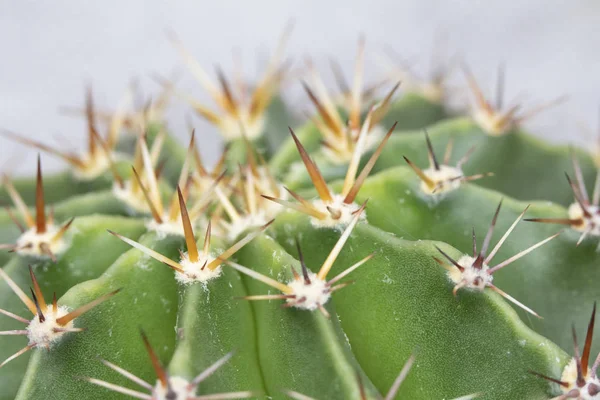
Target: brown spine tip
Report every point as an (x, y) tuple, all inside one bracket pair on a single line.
[(40, 208)]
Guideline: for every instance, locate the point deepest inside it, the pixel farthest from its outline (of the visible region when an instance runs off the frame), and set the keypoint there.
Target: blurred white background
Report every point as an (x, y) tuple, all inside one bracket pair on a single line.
[(50, 50)]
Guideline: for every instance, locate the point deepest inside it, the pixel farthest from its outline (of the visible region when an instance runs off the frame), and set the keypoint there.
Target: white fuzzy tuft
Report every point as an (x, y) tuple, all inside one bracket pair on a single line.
[(30, 242), (42, 333), (492, 123), (180, 387), (193, 272), (315, 294), (590, 224), (569, 375), (472, 278), (337, 204), (446, 179)]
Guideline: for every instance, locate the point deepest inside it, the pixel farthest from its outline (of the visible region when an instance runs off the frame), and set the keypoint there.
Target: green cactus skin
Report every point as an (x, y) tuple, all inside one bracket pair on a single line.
[(542, 280), (420, 303), (77, 264), (400, 299), (112, 331)]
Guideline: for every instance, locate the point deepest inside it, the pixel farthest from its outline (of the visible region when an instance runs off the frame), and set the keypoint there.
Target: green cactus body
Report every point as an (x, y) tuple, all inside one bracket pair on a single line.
[(561, 270), (77, 264), (399, 280)]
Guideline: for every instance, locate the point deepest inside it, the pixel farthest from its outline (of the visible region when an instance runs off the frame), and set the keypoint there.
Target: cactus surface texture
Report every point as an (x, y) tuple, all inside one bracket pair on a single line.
[(385, 247)]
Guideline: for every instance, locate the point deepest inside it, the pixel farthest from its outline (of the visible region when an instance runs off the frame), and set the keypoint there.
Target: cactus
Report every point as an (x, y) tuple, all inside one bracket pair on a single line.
[(346, 260)]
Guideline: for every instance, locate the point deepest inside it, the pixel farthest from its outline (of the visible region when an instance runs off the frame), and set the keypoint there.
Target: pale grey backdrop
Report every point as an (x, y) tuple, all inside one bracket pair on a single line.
[(51, 49)]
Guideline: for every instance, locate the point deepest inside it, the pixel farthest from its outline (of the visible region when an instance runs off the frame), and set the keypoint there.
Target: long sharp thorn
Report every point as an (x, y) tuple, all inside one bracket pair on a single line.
[(465, 157), (91, 120), (578, 196), (268, 297), (298, 396), (432, 158), (302, 264), (45, 249), (206, 248), (140, 382), (37, 290), (160, 371), (155, 213), (17, 354), (383, 106), (313, 171), (14, 333), (324, 311), (579, 178), (225, 396), (14, 219), (339, 286), (230, 102), (521, 254), (582, 237), (474, 243), (361, 387), (367, 168), (63, 229), (587, 347), (544, 106), (85, 308), (448, 152), (260, 277), (149, 170), (54, 303), (238, 245), (550, 379), (14, 316), (303, 208), (190, 240), (346, 272), (338, 74), (447, 257), (488, 236), (513, 300), (580, 377), (326, 267), (157, 256), (212, 369), (489, 258), (71, 159), (357, 154), (18, 201), (596, 193), (561, 221), (20, 294), (401, 377), (476, 90), (119, 389), (40, 207), (322, 110), (420, 173)]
